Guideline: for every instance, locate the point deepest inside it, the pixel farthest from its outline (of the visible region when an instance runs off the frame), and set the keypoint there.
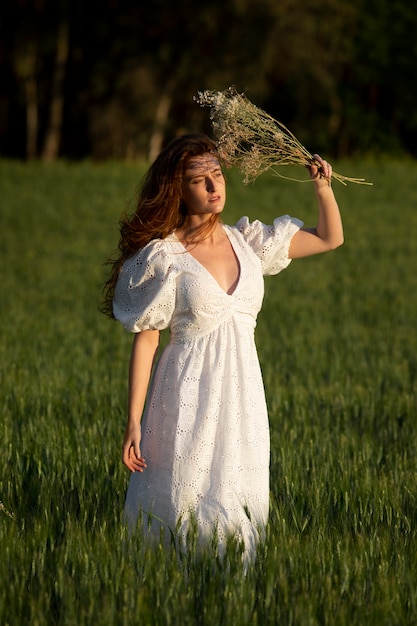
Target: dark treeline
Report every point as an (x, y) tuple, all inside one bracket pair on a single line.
[(116, 78)]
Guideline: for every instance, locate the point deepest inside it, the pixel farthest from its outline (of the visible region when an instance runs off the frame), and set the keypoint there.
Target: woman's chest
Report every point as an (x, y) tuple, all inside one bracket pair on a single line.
[(221, 262), (200, 286)]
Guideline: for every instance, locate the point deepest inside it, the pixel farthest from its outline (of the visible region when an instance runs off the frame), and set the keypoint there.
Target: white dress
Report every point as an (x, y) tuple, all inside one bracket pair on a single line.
[(205, 431)]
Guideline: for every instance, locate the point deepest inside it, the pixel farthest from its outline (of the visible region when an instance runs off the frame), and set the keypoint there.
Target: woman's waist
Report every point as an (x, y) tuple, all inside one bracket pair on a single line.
[(235, 324)]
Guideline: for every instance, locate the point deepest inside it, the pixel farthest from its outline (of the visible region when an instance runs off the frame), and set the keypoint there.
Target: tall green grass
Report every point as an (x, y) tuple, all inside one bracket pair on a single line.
[(338, 347)]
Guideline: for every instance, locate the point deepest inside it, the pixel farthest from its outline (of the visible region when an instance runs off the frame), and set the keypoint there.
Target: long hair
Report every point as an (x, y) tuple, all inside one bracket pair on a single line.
[(160, 208)]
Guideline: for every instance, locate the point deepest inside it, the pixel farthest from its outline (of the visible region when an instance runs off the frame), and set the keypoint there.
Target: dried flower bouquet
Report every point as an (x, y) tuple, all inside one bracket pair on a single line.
[(251, 140)]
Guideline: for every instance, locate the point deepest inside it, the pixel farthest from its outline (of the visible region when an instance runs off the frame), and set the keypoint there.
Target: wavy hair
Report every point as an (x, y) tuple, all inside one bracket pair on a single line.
[(160, 208)]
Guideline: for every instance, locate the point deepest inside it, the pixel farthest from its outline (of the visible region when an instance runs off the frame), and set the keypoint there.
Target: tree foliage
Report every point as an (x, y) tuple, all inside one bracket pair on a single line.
[(116, 79)]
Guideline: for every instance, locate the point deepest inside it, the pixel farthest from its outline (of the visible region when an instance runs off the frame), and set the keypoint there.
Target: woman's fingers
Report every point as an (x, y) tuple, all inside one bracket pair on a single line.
[(132, 457), (320, 168)]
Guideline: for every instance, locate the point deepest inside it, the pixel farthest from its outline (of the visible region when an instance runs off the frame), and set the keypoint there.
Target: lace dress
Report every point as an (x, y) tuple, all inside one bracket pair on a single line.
[(205, 432)]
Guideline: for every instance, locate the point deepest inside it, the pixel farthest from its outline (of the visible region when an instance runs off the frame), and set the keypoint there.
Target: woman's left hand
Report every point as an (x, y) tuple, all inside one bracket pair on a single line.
[(321, 170)]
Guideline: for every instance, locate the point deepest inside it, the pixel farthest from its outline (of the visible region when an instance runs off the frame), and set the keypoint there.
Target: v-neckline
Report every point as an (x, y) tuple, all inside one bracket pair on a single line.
[(204, 268)]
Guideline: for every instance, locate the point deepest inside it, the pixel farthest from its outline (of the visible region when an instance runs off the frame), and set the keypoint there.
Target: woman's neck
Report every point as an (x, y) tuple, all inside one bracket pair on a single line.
[(195, 231)]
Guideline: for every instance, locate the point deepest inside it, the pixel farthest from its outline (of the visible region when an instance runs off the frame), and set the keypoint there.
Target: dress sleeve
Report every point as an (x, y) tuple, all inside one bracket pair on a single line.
[(144, 297), (271, 242)]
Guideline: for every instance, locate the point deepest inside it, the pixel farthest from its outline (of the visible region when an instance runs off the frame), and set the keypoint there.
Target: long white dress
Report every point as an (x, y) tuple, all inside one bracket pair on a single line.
[(205, 431)]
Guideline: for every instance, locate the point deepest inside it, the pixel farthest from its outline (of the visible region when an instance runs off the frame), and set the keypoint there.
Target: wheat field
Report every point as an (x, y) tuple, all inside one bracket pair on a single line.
[(337, 342)]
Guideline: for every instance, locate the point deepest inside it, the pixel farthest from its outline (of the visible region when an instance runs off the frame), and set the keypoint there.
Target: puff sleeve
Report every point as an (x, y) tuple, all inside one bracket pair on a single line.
[(144, 297), (271, 242)]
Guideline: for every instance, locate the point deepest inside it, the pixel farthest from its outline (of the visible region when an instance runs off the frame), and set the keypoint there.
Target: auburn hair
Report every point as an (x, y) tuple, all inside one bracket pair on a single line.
[(160, 208)]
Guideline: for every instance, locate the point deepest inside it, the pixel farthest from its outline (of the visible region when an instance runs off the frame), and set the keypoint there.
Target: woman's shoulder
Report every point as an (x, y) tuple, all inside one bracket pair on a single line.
[(269, 242), (144, 296), (247, 227), (155, 253), (149, 268)]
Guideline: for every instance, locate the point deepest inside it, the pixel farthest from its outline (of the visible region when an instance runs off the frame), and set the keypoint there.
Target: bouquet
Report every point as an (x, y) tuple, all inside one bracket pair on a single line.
[(252, 140)]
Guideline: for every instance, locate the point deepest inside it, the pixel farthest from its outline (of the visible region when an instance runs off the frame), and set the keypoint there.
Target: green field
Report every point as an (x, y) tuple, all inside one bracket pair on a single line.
[(337, 340)]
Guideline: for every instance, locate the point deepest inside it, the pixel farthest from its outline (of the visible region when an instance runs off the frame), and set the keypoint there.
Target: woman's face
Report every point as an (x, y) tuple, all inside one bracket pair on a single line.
[(203, 187)]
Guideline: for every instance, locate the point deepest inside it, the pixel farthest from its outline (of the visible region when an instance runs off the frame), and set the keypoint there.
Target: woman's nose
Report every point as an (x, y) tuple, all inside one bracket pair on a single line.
[(210, 184)]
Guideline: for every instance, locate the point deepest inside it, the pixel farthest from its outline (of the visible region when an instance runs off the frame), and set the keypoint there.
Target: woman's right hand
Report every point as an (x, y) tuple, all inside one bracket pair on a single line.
[(131, 455)]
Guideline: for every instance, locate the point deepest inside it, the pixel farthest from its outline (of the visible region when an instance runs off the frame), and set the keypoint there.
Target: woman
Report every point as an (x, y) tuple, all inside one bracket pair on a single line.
[(201, 450)]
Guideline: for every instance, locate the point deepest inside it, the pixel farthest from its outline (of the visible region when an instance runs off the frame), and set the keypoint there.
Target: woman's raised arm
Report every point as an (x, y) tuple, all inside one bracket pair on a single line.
[(328, 234)]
